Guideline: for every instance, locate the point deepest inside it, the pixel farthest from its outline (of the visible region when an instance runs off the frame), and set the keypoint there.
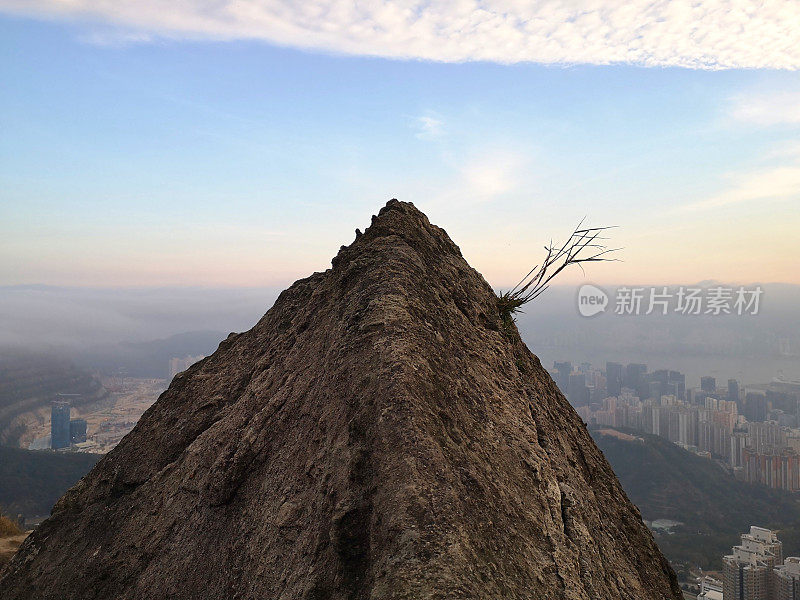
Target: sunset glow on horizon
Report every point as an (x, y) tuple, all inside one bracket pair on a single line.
[(202, 150)]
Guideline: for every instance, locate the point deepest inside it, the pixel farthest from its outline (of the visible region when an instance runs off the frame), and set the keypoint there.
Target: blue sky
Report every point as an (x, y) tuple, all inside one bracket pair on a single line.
[(155, 159)]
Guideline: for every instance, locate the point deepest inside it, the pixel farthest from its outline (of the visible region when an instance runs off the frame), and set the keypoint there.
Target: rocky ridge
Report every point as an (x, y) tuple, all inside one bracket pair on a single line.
[(378, 434)]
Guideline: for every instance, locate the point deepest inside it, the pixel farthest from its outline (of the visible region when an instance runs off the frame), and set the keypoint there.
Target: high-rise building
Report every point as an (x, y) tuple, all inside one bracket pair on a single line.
[(673, 426), (755, 405), (725, 419), (614, 379), (666, 383), (747, 572), (787, 580), (677, 381), (659, 383), (77, 431), (577, 392), (766, 436), (687, 427), (563, 370), (634, 374), (784, 400), (733, 390), (776, 468), (710, 589), (708, 384), (647, 416), (793, 440), (59, 424), (714, 438), (739, 440)]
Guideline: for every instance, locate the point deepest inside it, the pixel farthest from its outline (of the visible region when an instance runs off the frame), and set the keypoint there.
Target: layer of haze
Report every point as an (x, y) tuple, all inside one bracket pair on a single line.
[(81, 322)]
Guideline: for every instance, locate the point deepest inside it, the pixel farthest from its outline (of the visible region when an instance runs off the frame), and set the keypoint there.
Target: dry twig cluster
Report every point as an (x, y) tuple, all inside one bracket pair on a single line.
[(584, 245)]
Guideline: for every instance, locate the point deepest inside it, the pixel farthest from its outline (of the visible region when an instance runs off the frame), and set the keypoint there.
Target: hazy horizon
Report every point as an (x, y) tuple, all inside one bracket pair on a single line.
[(753, 347)]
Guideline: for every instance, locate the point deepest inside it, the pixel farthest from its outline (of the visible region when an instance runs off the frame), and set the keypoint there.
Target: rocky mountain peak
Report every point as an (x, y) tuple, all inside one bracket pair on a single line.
[(378, 434)]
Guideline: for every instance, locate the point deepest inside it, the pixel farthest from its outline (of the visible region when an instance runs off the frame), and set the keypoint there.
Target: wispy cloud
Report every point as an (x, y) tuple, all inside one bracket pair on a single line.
[(777, 176), (713, 34), (778, 183), (767, 109), (789, 150), (428, 128)]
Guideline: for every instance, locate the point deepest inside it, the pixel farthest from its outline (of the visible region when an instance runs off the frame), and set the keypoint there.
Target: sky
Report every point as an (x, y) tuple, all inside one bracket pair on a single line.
[(183, 143)]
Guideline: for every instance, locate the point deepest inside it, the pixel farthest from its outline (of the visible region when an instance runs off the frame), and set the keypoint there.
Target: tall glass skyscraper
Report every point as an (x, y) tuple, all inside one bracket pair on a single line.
[(59, 425)]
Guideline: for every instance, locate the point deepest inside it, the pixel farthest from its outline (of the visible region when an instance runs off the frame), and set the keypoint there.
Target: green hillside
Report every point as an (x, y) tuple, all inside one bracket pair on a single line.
[(667, 482), (31, 481)]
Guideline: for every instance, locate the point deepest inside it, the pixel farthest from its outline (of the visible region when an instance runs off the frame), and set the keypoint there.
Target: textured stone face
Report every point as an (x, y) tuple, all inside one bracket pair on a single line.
[(376, 435)]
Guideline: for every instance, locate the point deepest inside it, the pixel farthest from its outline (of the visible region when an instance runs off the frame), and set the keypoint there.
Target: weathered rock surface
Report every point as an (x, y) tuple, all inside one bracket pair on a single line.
[(376, 435)]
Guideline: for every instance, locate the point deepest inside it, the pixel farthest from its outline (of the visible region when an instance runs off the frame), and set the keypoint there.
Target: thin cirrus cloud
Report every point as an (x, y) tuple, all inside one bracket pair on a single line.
[(780, 183), (767, 109), (775, 183), (712, 34), (428, 128)]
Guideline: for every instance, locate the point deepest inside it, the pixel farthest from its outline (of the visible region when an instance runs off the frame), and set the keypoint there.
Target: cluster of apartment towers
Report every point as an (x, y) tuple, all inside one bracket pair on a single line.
[(755, 570), (754, 431), (65, 431)]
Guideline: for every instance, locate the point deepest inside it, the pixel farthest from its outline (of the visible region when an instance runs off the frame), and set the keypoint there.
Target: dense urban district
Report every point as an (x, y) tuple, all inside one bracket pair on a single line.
[(751, 431)]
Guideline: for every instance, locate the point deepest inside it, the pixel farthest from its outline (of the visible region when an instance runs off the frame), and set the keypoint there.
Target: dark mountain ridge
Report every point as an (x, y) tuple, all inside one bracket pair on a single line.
[(148, 359), (31, 481)]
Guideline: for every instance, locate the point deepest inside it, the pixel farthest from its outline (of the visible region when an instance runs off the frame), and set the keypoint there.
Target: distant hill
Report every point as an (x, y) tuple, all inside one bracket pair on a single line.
[(667, 482), (31, 480), (149, 359)]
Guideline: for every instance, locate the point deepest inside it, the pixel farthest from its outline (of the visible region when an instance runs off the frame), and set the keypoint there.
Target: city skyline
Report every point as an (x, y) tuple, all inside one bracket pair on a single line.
[(752, 428)]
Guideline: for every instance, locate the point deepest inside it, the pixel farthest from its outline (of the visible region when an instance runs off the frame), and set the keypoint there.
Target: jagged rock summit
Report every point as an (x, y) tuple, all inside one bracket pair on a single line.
[(377, 435)]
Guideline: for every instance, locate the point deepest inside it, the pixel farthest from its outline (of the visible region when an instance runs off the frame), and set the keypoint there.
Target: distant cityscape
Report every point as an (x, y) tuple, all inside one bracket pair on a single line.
[(98, 428), (751, 429), (755, 570), (106, 425)]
